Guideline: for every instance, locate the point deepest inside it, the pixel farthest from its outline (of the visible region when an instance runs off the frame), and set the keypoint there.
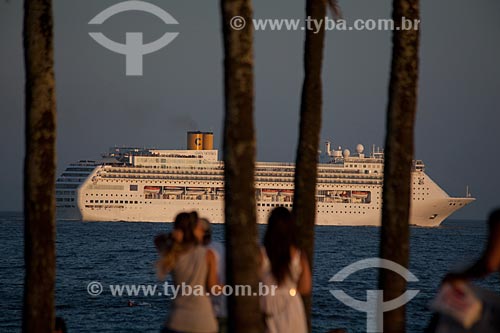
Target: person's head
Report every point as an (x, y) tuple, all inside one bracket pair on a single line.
[(206, 227), (278, 240), (494, 227), (186, 224), (179, 240), (60, 326), (494, 220)]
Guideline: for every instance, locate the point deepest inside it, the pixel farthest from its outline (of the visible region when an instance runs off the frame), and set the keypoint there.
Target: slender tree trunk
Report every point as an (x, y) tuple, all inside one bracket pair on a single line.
[(304, 202), (239, 159), (39, 169), (399, 149)]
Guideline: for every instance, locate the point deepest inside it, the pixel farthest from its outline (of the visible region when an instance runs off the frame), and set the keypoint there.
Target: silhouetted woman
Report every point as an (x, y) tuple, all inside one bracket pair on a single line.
[(285, 269), (191, 265)]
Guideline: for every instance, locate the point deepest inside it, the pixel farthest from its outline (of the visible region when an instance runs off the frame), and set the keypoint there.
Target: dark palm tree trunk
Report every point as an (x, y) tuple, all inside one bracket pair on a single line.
[(304, 202), (399, 149), (239, 159), (39, 168)]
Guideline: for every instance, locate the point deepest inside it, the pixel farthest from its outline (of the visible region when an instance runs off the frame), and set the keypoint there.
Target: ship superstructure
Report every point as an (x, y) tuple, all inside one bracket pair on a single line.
[(154, 185)]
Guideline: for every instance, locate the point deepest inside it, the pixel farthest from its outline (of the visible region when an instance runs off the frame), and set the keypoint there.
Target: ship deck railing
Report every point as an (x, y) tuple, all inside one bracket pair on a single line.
[(332, 180), (218, 177)]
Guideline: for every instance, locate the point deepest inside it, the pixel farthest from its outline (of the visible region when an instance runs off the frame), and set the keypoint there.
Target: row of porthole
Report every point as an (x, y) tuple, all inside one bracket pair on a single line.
[(202, 209), (274, 205), (341, 212), (421, 188), (359, 207), (118, 202), (154, 181), (105, 195), (365, 205)]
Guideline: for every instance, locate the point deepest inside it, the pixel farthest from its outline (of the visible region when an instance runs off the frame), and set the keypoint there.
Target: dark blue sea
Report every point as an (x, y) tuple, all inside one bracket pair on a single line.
[(123, 253)]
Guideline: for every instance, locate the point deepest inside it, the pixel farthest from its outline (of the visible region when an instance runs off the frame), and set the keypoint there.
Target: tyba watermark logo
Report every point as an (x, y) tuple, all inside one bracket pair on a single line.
[(134, 49), (374, 306)]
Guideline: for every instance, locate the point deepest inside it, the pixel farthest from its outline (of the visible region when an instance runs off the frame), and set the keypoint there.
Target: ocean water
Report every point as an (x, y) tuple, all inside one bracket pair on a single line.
[(123, 253)]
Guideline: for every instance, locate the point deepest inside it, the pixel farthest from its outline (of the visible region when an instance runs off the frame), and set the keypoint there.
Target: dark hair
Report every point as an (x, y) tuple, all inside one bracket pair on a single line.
[(186, 222), (170, 247), (494, 219), (279, 237), (163, 242)]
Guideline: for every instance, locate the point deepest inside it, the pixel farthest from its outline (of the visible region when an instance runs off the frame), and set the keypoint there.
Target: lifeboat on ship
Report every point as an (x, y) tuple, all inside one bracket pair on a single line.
[(152, 189), (360, 194), (196, 190), (173, 190)]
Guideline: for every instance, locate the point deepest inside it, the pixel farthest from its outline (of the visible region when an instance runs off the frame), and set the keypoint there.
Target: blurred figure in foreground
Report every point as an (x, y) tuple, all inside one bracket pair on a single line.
[(60, 326), (463, 307), (219, 302), (191, 264), (286, 271), (490, 259)]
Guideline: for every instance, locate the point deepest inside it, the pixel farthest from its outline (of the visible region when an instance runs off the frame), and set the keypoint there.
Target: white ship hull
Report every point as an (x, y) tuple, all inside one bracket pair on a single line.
[(214, 211)]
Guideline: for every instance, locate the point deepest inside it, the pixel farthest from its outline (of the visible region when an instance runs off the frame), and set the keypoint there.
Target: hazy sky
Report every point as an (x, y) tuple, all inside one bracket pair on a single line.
[(458, 122)]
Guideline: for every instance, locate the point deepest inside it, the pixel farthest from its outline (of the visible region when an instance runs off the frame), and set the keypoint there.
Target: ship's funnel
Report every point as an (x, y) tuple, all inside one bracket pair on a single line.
[(195, 140), (208, 141)]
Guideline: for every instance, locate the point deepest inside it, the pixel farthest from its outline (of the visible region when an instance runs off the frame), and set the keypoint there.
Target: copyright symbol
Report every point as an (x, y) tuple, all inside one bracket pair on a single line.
[(94, 288), (237, 23)]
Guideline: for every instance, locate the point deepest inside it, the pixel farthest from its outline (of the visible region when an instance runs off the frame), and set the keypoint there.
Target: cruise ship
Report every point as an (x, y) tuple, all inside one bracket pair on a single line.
[(152, 185)]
